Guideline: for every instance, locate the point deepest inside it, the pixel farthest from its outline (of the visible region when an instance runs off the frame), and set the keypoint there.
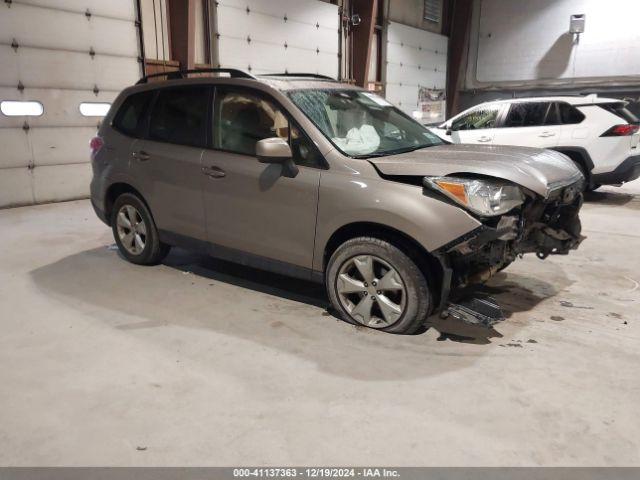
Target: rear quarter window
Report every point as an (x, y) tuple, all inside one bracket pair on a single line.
[(131, 114), (569, 114)]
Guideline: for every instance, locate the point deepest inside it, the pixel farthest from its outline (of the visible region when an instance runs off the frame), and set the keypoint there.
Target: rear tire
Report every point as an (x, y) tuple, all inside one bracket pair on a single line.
[(135, 231), (372, 283)]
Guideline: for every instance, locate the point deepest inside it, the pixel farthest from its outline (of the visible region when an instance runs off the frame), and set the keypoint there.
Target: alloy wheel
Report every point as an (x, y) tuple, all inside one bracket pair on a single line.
[(371, 291), (132, 229)]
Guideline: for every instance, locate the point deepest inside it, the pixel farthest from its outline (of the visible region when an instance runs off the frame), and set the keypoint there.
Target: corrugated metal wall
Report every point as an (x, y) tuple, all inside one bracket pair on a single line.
[(59, 53)]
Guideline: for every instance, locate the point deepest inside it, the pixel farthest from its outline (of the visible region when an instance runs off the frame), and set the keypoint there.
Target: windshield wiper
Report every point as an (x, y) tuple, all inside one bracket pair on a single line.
[(398, 151)]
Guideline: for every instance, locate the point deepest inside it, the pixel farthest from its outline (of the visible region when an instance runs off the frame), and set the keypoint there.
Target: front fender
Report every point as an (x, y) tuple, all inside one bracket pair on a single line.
[(347, 199)]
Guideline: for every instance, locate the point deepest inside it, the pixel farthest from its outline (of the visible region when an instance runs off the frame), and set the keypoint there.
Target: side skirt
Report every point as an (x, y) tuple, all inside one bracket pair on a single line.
[(240, 257)]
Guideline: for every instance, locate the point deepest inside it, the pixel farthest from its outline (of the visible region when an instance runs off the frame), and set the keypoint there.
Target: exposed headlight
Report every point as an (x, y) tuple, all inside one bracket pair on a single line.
[(483, 197)]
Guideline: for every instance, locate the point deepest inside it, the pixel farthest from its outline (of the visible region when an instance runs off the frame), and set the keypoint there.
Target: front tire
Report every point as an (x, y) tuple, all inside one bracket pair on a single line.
[(135, 231), (371, 282)]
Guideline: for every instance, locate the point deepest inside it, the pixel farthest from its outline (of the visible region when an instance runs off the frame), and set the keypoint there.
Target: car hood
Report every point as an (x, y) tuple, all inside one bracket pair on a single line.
[(536, 169)]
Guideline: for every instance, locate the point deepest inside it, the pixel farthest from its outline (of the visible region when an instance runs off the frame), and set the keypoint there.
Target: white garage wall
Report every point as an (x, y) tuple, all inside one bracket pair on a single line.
[(528, 40), (254, 35), (46, 158), (416, 59)]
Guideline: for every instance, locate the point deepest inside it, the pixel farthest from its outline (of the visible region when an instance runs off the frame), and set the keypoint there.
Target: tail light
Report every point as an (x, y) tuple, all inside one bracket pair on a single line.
[(624, 130), (95, 145)]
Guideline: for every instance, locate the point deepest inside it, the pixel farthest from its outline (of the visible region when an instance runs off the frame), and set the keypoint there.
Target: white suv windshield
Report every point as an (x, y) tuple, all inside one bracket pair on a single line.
[(362, 124)]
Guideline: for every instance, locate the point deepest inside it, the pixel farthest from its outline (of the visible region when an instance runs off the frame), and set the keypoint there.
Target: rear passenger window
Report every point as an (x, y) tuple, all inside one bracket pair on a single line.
[(179, 116), (527, 114), (130, 117), (478, 119), (570, 114)]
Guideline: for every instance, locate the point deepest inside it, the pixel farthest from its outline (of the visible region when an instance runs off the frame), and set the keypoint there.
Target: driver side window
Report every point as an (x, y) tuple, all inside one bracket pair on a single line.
[(241, 119), (477, 119)]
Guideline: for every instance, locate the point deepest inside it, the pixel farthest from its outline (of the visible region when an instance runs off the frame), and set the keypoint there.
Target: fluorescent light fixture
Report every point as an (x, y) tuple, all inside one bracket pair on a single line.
[(94, 109), (18, 108)]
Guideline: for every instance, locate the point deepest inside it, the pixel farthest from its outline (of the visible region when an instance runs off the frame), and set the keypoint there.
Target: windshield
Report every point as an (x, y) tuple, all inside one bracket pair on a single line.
[(362, 124)]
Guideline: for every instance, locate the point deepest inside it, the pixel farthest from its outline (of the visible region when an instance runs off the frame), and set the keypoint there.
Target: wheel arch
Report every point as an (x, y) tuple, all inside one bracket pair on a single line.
[(114, 191), (580, 156), (430, 267)]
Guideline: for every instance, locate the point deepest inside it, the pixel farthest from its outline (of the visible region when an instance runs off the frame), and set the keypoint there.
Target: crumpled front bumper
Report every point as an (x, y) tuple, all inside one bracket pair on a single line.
[(545, 227)]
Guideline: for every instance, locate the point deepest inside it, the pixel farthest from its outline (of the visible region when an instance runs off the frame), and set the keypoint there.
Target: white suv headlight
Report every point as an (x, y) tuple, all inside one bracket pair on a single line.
[(484, 197)]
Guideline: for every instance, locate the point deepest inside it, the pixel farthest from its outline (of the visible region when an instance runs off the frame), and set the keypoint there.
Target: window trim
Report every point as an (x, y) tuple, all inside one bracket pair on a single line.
[(323, 164)]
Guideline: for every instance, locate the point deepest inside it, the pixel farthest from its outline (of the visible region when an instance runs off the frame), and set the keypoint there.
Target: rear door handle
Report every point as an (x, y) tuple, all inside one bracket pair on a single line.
[(547, 134), (484, 139), (214, 172), (141, 156)]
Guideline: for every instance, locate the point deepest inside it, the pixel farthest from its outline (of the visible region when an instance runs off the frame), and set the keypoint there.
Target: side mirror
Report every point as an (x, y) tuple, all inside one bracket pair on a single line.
[(277, 150), (449, 130)]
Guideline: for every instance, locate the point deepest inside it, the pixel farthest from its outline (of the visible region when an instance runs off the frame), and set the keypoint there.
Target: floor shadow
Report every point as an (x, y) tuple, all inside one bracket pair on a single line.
[(610, 198), (514, 293), (249, 278), (288, 315)]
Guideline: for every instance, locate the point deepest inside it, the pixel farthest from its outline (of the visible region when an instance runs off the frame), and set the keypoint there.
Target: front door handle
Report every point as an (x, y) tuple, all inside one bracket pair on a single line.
[(213, 172), (141, 156), (547, 134), (484, 139)]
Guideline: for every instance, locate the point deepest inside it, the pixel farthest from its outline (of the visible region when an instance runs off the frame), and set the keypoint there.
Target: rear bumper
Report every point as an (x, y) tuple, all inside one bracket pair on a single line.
[(627, 171), (100, 213)]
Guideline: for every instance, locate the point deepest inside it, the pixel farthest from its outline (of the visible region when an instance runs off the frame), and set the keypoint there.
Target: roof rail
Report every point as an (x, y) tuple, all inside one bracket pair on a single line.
[(299, 75), (176, 74)]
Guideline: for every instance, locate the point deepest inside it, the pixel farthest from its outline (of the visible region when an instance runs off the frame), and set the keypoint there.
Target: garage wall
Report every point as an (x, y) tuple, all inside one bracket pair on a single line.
[(416, 59), (517, 42), (59, 53), (272, 36), (412, 13)]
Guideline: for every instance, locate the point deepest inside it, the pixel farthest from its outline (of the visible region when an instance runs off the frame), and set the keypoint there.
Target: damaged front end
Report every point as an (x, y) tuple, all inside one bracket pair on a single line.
[(544, 226)]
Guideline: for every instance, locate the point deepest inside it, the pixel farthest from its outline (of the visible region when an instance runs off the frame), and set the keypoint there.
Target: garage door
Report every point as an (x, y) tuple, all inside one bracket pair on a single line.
[(416, 68), (62, 60), (276, 36)]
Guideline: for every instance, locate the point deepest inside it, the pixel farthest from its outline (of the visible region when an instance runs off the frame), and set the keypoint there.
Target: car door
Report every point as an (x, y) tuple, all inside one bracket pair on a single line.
[(168, 159), (254, 213), (478, 126), (530, 124)]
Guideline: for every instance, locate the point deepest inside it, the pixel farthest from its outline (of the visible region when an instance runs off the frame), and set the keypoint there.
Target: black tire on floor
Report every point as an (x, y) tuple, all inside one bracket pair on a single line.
[(418, 299), (154, 250), (588, 187)]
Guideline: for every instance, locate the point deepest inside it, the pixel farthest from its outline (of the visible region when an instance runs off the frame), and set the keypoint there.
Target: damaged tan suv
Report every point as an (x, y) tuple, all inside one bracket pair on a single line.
[(307, 177)]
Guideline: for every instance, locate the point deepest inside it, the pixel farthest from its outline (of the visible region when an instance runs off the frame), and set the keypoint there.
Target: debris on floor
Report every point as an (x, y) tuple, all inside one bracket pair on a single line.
[(564, 303)]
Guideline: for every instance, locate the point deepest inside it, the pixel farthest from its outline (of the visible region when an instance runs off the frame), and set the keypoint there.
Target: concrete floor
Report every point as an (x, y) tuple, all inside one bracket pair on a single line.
[(197, 362)]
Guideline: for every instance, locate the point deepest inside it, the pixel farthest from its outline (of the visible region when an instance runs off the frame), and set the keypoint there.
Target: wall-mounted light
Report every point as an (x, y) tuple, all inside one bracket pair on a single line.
[(19, 108), (94, 109), (576, 26)]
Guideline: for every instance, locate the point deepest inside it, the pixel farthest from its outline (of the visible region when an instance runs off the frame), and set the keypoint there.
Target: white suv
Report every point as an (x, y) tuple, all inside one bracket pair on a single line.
[(599, 134)]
